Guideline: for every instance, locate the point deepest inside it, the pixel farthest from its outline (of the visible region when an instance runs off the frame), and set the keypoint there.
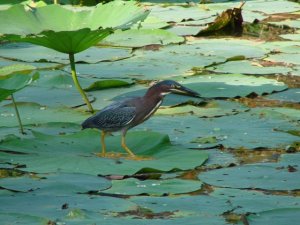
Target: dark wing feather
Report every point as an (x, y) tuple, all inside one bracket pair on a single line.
[(114, 117)]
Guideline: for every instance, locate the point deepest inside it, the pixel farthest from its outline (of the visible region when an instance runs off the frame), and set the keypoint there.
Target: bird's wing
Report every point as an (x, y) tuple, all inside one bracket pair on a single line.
[(114, 116)]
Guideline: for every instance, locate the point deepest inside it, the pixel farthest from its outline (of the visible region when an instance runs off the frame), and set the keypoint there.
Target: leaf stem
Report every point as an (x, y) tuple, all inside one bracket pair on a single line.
[(56, 1), (18, 115), (76, 82)]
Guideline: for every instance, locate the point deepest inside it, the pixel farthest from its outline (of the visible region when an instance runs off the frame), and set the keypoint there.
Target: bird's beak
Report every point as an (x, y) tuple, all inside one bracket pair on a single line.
[(185, 91)]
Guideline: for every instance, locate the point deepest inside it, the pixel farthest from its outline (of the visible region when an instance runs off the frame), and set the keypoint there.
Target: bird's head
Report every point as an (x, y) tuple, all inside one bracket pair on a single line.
[(169, 86)]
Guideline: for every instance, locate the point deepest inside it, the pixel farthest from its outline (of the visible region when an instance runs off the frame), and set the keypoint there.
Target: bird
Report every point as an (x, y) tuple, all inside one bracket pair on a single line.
[(126, 114)]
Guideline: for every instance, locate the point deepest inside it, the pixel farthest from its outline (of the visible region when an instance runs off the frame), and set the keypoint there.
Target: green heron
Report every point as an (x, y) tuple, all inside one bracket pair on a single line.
[(123, 115)]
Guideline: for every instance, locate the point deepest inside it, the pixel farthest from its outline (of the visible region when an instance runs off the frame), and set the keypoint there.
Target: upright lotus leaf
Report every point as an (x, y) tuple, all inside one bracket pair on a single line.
[(12, 79), (15, 82), (66, 30)]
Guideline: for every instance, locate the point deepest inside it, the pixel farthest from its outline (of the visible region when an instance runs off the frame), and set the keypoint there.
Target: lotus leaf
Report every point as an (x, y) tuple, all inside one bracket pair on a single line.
[(142, 37), (286, 58), (225, 86), (62, 207), (74, 153), (62, 183), (20, 51), (276, 216), (212, 109), (153, 187), (253, 131), (105, 84), (290, 95), (117, 14), (294, 37), (33, 113), (15, 82), (247, 201), (246, 67), (20, 68), (271, 176)]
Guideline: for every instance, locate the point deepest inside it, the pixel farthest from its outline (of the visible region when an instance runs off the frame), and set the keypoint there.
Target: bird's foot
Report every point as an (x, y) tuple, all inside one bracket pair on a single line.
[(112, 155), (138, 158), (117, 155)]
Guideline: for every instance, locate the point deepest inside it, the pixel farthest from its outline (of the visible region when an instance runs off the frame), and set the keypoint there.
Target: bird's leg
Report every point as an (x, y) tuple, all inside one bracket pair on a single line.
[(103, 153), (123, 143)]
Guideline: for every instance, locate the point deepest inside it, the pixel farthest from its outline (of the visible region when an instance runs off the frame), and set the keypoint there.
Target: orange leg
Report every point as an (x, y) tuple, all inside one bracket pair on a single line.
[(123, 143), (103, 153)]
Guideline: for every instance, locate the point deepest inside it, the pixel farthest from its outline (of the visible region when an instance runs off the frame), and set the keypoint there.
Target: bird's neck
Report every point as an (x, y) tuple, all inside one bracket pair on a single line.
[(154, 95)]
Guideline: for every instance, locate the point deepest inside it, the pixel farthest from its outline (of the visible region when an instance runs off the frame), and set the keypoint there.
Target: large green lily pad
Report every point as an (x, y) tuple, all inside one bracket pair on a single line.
[(15, 82), (285, 57), (167, 62), (276, 217), (71, 208), (62, 183), (74, 153), (225, 86), (254, 130), (207, 208), (142, 37), (290, 95), (33, 113), (153, 187), (271, 176), (247, 201), (85, 27), (246, 67), (19, 51), (212, 109)]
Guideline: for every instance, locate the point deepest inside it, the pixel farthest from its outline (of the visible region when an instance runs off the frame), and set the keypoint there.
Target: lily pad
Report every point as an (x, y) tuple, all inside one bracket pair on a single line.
[(142, 37), (253, 131), (40, 26), (19, 51), (153, 187), (63, 208), (62, 183), (106, 84), (224, 86), (247, 201), (285, 57), (227, 48), (246, 67), (277, 217), (168, 62), (69, 153), (212, 109), (190, 205), (20, 68), (290, 95), (271, 176), (33, 113), (15, 82), (71, 97)]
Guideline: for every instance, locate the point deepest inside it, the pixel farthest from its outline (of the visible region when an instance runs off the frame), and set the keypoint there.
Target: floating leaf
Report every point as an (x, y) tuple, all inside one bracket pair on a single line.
[(247, 201), (105, 84), (277, 216), (74, 153), (62, 183), (153, 187), (20, 68), (271, 176), (246, 67), (33, 113)]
